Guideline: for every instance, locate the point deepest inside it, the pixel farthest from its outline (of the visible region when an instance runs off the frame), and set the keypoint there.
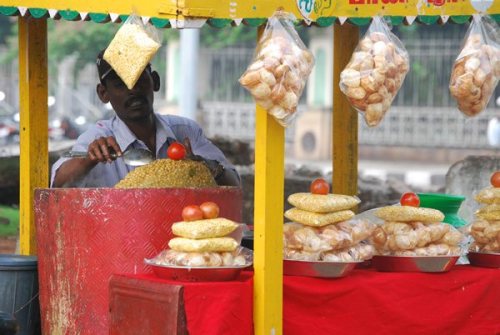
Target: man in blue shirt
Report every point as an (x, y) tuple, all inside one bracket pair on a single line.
[(135, 125)]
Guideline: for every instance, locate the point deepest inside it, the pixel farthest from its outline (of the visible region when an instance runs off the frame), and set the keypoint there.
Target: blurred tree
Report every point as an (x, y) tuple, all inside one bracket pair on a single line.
[(218, 38), (5, 23), (85, 39)]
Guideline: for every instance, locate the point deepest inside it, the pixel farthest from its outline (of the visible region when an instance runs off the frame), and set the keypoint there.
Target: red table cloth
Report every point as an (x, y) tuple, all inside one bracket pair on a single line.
[(465, 300), (216, 308)]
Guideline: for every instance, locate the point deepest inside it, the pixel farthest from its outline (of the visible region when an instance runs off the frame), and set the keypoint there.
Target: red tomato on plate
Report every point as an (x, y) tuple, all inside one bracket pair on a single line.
[(410, 199), (192, 213), (176, 151), (495, 179), (210, 210), (320, 186)]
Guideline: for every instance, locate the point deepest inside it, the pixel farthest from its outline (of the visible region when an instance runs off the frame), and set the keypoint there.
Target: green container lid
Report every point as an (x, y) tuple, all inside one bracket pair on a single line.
[(446, 203)]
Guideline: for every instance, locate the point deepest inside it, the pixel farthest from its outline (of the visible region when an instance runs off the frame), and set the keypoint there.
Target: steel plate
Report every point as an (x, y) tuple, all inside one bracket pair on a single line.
[(486, 260), (414, 264), (317, 269), (193, 274)]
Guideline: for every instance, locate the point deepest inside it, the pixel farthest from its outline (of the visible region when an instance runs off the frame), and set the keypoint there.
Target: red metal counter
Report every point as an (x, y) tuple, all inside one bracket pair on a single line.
[(464, 301), (86, 235)]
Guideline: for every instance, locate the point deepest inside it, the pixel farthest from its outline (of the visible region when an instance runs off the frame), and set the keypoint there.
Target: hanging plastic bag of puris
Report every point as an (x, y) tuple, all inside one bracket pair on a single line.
[(280, 68), (375, 72), (132, 48), (476, 70)]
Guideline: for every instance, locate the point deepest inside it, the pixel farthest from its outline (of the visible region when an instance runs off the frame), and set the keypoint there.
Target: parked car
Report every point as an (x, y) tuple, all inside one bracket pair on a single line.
[(9, 129), (64, 128)]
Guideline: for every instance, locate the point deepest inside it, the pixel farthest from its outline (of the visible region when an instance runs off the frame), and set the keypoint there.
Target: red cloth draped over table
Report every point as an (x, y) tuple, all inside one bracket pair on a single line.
[(465, 300), (216, 308)]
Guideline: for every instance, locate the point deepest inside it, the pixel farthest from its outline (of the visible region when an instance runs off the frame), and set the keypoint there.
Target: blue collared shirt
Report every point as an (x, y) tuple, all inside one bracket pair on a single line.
[(169, 128)]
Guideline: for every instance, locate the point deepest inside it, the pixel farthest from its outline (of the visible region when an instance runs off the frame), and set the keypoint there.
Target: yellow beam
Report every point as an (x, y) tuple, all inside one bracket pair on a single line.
[(230, 9), (345, 118), (268, 224), (34, 158)]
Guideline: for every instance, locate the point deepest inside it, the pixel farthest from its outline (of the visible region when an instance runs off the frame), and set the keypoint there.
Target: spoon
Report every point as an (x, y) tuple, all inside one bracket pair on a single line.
[(132, 157)]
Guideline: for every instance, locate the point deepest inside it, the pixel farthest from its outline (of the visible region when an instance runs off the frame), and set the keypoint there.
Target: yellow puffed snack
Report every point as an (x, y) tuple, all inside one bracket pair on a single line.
[(490, 212), (322, 203), (208, 244), (130, 51), (217, 227), (317, 219), (490, 195), (301, 255), (409, 213)]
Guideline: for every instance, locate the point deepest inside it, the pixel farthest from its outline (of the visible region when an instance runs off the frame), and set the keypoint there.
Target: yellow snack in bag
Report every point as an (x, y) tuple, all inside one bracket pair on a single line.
[(130, 51)]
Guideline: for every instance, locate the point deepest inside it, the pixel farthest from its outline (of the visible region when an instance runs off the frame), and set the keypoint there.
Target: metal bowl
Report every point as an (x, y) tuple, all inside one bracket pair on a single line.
[(317, 269), (193, 274), (414, 264), (487, 260)]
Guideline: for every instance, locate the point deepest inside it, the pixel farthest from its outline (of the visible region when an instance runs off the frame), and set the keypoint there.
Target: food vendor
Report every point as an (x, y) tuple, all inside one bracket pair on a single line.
[(135, 125)]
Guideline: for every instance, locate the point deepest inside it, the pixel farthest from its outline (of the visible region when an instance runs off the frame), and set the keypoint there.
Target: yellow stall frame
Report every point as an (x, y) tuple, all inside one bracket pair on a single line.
[(269, 139)]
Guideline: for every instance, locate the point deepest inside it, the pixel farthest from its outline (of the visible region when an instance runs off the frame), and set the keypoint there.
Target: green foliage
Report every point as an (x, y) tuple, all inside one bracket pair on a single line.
[(85, 39), (9, 219), (10, 40), (5, 23)]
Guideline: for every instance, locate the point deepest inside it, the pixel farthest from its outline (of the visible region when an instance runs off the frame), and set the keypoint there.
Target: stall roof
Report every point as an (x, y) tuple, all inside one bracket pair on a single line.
[(196, 13)]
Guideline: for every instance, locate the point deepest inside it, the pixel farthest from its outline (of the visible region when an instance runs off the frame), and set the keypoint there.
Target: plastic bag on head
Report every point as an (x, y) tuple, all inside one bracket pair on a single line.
[(375, 72), (476, 70), (279, 70), (132, 48)]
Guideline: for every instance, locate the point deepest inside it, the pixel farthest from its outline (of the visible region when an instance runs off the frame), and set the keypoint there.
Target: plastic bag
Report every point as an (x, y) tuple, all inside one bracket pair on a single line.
[(279, 70), (486, 235), (476, 70), (208, 228), (357, 253), (417, 239), (375, 73), (240, 257), (132, 48), (322, 203), (300, 241), (485, 230)]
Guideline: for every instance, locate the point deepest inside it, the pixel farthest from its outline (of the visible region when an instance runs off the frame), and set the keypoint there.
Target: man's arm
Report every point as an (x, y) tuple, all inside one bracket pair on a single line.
[(72, 171)]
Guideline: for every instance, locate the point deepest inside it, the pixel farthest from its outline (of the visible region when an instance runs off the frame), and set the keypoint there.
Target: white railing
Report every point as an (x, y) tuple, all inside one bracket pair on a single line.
[(429, 127), (426, 84)]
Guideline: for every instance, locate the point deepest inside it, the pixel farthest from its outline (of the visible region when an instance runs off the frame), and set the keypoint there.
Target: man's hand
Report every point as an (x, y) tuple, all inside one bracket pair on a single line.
[(216, 169), (100, 149), (222, 176)]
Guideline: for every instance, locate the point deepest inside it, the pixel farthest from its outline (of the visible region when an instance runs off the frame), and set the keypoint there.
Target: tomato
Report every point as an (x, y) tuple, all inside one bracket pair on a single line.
[(192, 213), (495, 179), (210, 210), (410, 199), (176, 151), (320, 186)]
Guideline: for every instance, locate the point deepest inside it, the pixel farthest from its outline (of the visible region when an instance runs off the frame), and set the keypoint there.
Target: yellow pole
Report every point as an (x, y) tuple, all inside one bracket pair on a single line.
[(34, 158), (268, 224), (345, 118)]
